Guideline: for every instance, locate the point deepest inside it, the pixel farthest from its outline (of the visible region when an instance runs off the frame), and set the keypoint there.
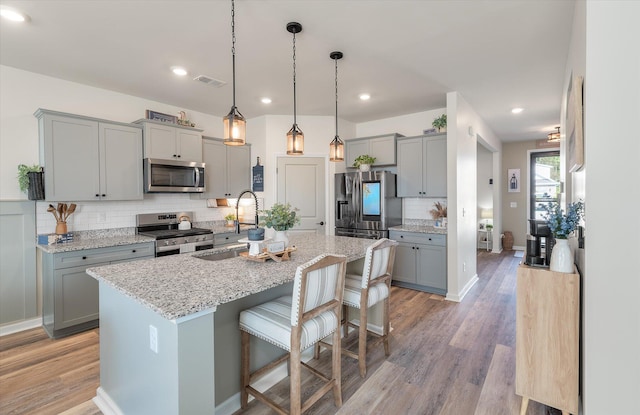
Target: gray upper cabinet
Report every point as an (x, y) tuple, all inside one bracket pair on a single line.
[(382, 147), (228, 169), (89, 159), (422, 166), (171, 142)]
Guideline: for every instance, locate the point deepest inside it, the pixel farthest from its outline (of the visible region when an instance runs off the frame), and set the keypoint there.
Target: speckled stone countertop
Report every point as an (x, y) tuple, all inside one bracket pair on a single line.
[(179, 285), (91, 243), (419, 228), (104, 238)]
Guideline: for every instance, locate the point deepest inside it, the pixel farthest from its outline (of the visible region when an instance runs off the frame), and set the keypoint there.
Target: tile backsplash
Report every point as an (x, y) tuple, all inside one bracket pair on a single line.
[(418, 208), (122, 214)]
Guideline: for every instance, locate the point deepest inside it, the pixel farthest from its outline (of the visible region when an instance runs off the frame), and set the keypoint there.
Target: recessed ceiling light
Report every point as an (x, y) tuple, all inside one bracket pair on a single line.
[(517, 110), (180, 71), (266, 100), (365, 97), (13, 15)]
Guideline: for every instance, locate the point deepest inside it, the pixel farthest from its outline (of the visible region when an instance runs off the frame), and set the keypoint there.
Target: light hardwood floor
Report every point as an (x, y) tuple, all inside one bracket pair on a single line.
[(446, 359)]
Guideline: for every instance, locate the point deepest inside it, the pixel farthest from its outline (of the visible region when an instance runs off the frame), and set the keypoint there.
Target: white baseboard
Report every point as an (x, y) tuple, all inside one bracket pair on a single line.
[(458, 297), (104, 402), (20, 326), (518, 248)]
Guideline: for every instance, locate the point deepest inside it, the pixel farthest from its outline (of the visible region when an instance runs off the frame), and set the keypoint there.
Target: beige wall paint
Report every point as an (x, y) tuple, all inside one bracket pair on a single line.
[(514, 219)]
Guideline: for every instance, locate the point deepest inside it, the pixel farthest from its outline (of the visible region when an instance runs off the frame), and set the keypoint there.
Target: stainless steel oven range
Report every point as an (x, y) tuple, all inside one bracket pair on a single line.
[(170, 239)]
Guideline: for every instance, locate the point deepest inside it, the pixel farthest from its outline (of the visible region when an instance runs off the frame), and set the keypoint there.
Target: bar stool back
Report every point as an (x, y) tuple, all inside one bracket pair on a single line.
[(295, 323)]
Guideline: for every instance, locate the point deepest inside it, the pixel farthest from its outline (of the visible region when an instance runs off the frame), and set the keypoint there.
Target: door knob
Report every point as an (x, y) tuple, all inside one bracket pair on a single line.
[(321, 223)]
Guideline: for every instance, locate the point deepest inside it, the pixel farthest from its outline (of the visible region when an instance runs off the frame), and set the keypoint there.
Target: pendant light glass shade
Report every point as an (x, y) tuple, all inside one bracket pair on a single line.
[(295, 137), (295, 141), (234, 128), (234, 123), (336, 147)]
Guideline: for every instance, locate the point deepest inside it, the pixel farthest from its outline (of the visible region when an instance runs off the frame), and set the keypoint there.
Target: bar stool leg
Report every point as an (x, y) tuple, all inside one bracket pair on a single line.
[(362, 342), (245, 370), (336, 356), (386, 326)]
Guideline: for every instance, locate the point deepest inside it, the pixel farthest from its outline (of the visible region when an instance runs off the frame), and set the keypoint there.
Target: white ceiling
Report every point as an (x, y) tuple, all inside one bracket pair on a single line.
[(498, 54)]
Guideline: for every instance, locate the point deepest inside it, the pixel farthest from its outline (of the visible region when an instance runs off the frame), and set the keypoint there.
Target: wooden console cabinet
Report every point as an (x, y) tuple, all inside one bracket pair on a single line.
[(548, 338)]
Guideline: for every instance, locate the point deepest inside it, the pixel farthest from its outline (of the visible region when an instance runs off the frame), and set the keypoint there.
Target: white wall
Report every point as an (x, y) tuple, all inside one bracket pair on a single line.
[(611, 282)]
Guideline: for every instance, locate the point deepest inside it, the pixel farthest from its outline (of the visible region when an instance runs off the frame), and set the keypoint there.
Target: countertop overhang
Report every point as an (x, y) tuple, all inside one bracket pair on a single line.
[(177, 286)]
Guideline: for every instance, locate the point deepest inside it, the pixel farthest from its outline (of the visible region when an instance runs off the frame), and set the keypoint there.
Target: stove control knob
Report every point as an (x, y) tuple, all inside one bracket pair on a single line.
[(166, 243), (173, 242)]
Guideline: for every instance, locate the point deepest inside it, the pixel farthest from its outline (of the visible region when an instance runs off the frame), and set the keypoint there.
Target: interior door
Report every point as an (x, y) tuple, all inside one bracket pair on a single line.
[(301, 182)]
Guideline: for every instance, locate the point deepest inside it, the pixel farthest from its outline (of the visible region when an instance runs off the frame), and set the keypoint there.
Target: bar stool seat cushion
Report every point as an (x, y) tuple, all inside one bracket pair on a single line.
[(271, 322), (352, 291)]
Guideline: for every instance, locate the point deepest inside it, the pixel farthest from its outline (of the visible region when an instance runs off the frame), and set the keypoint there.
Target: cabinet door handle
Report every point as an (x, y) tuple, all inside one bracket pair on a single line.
[(133, 250), (84, 257), (97, 195), (104, 195), (401, 236), (175, 155), (179, 156)]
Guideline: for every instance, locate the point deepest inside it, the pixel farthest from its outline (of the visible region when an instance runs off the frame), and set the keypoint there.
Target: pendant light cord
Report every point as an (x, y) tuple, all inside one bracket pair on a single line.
[(294, 81), (233, 48), (336, 61)]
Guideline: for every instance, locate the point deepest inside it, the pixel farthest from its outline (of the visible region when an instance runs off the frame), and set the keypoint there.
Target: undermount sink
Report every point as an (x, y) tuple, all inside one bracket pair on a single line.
[(219, 256)]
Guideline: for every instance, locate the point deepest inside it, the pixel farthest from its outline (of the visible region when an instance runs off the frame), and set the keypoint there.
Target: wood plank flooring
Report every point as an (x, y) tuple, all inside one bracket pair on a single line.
[(446, 359)]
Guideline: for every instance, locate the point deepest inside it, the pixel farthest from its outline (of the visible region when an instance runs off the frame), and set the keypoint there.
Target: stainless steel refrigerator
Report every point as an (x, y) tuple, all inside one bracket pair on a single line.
[(366, 205)]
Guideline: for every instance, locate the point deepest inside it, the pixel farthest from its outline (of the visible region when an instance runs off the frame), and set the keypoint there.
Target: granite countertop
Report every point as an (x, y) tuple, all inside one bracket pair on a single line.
[(176, 286), (105, 238), (92, 243), (419, 228)]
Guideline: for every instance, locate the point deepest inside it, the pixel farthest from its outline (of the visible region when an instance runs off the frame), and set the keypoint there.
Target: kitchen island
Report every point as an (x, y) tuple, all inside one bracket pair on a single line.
[(169, 338)]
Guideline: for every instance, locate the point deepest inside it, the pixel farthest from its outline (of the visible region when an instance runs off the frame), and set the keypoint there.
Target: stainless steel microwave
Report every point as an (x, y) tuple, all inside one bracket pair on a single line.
[(172, 176)]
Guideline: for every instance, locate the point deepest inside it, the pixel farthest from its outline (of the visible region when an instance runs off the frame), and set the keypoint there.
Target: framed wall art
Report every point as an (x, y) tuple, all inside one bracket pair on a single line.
[(513, 180), (574, 134)]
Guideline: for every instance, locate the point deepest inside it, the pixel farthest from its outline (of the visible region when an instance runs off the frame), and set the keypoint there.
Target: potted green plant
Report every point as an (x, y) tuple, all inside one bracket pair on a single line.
[(440, 123), (281, 217), (31, 181), (230, 217), (363, 162)]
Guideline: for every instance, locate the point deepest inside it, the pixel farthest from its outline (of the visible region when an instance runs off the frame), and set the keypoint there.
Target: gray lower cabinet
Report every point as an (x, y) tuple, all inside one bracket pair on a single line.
[(227, 238), (70, 295), (421, 261)]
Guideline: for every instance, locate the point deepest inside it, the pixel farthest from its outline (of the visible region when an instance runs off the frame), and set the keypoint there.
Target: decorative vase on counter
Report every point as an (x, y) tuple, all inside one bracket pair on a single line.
[(281, 236), (561, 258), (61, 228)]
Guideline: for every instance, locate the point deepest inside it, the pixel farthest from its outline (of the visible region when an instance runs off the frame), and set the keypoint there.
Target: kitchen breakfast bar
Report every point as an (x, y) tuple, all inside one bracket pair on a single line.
[(169, 337)]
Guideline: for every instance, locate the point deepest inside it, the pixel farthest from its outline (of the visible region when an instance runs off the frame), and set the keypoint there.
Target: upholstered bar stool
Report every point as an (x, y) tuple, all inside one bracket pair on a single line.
[(295, 323), (366, 290)]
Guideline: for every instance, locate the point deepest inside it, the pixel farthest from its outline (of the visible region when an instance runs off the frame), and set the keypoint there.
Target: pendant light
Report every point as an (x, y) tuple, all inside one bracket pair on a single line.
[(234, 123), (295, 137), (336, 148), (554, 137)]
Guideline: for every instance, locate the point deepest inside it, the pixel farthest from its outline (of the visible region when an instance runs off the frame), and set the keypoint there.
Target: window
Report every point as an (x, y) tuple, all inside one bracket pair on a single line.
[(544, 182)]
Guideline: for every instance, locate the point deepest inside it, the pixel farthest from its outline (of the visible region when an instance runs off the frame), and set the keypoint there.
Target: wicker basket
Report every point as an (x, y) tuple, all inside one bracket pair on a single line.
[(507, 240)]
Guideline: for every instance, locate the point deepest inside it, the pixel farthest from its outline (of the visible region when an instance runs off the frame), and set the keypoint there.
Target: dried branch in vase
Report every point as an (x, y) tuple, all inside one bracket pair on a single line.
[(440, 211)]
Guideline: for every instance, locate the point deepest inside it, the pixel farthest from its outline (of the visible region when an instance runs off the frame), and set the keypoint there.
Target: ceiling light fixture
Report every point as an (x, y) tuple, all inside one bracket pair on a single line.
[(13, 14), (235, 126), (177, 70), (295, 137), (365, 97), (554, 137), (517, 110), (266, 100), (336, 148)]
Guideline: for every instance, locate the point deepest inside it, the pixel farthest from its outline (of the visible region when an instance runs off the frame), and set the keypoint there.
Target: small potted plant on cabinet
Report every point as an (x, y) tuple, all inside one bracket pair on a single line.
[(230, 217), (363, 162), (30, 180), (440, 123)]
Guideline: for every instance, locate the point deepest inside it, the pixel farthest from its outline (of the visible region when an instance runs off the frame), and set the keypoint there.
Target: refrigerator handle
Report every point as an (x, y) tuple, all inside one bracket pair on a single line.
[(340, 204)]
